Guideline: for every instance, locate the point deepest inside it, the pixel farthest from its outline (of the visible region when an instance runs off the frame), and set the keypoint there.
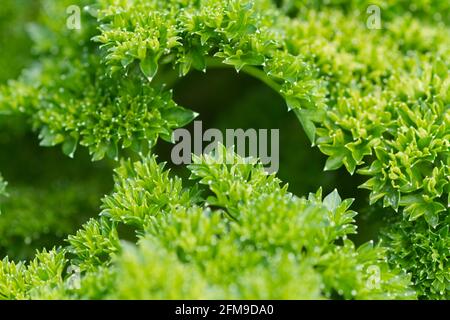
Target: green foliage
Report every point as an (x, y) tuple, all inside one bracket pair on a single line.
[(375, 102), (359, 111), (425, 254), (20, 281), (207, 248), (82, 105)]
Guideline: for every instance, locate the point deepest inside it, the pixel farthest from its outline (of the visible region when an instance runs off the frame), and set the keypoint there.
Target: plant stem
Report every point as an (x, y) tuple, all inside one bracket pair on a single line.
[(170, 77), (250, 70)]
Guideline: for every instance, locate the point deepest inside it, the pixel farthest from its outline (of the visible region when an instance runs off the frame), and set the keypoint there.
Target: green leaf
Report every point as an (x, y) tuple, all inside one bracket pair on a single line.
[(293, 104), (411, 199), (334, 162), (392, 199), (307, 124), (429, 210), (432, 217), (178, 115), (70, 146), (99, 151), (432, 214), (198, 59), (332, 201), (252, 59), (149, 67), (49, 138)]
